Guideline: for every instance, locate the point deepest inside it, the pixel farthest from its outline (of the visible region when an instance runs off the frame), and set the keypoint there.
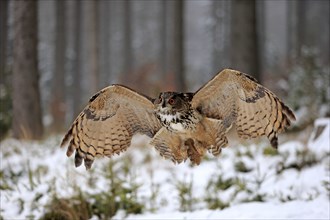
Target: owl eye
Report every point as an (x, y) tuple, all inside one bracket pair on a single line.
[(171, 101)]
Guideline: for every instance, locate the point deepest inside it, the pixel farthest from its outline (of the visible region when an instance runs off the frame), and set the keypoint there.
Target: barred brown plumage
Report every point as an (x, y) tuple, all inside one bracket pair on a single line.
[(181, 125)]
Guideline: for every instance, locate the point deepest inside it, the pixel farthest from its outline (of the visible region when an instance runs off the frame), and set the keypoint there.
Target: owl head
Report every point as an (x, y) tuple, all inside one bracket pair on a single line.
[(173, 102)]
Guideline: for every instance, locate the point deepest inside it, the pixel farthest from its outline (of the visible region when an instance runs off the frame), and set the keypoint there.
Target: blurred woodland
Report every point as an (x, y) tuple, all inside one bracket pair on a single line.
[(54, 55)]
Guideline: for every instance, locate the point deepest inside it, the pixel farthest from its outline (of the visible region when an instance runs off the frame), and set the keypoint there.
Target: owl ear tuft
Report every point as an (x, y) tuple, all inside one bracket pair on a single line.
[(188, 96), (95, 96)]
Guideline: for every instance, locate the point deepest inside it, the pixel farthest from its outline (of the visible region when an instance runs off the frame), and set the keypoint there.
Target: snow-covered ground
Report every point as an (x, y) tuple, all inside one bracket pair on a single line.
[(248, 181), (316, 209)]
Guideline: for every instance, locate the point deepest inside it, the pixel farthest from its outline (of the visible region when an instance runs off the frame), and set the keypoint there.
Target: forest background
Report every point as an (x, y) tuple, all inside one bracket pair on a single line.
[(57, 54), (54, 55)]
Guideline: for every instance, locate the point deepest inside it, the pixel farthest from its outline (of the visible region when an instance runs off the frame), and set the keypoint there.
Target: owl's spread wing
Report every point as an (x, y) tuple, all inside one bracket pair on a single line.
[(108, 122), (237, 98)]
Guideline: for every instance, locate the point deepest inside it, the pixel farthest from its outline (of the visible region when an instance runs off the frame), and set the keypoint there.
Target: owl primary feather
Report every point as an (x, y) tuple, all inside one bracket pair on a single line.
[(181, 125)]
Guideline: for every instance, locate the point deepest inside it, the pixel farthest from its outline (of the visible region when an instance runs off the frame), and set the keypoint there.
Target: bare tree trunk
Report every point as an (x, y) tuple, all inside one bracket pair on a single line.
[(293, 38), (162, 54), (5, 97), (128, 62), (218, 34), (173, 43), (93, 35), (77, 91), (26, 98), (244, 45), (304, 32), (261, 39), (58, 107), (3, 38), (301, 25), (178, 53), (104, 51), (221, 34)]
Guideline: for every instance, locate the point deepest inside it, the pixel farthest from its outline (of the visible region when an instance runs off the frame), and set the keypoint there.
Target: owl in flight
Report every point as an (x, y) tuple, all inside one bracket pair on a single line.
[(181, 125)]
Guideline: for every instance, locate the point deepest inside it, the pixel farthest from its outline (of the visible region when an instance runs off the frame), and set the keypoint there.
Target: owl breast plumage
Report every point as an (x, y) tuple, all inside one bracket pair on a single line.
[(182, 125)]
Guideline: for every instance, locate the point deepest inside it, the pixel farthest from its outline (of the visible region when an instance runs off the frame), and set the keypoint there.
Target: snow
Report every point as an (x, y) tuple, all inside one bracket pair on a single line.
[(320, 142), (317, 209), (291, 183)]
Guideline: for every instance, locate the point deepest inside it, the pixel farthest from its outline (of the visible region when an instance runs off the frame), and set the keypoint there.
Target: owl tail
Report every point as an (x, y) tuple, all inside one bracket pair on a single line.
[(221, 141), (169, 146), (220, 130)]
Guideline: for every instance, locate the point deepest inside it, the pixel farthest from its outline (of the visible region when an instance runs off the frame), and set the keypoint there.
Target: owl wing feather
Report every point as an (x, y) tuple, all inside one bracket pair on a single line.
[(236, 98), (108, 122)]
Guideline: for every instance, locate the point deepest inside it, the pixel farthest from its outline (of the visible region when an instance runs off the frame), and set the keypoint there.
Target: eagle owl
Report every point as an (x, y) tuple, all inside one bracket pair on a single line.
[(181, 125)]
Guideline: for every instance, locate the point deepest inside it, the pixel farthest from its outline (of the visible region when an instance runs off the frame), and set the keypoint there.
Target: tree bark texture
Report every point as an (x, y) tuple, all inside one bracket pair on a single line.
[(77, 84), (305, 33), (244, 37), (173, 43), (127, 41), (27, 114), (93, 41), (3, 38), (58, 106)]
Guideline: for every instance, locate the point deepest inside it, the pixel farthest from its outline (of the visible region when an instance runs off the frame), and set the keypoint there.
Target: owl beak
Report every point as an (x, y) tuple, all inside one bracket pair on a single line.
[(163, 104)]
